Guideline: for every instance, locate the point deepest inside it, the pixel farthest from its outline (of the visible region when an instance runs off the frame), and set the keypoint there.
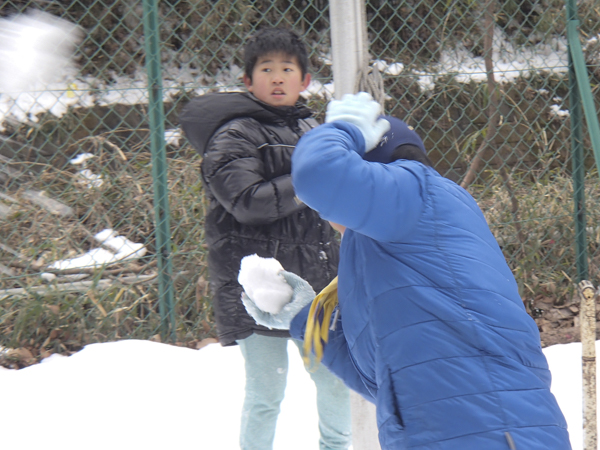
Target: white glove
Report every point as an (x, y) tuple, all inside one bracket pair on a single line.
[(362, 111), (303, 294)]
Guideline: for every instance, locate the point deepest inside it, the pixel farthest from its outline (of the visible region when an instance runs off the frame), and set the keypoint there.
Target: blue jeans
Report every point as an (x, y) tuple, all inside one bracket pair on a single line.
[(266, 362)]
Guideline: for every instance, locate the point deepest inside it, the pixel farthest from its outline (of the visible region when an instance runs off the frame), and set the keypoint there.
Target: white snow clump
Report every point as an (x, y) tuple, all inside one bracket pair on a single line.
[(263, 283)]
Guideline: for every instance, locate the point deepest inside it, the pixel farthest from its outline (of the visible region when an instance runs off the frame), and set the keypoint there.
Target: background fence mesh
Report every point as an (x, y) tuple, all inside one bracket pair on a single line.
[(507, 139)]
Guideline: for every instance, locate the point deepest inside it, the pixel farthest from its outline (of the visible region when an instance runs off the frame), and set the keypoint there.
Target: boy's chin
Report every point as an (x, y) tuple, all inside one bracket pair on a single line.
[(279, 101)]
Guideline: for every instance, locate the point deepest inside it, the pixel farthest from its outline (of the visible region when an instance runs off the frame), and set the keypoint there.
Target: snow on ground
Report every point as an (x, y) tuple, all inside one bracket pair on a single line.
[(121, 249), (144, 395)]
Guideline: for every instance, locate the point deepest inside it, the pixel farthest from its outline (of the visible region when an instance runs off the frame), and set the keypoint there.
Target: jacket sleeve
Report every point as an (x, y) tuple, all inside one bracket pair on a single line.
[(382, 201), (336, 356), (234, 172)]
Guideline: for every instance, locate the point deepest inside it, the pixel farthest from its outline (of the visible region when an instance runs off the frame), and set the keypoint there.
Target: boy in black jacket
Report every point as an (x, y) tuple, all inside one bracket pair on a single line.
[(247, 141)]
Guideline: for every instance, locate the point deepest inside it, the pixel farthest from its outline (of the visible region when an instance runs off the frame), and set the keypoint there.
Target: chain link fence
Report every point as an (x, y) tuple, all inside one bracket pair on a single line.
[(78, 250)]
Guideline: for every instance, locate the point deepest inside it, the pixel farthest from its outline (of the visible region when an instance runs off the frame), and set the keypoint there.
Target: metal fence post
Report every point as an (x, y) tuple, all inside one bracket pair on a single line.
[(582, 76), (578, 175), (159, 169), (349, 54), (348, 43)]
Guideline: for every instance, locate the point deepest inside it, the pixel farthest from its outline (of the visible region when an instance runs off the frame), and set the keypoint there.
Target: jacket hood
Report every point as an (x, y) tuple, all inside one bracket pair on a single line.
[(204, 115)]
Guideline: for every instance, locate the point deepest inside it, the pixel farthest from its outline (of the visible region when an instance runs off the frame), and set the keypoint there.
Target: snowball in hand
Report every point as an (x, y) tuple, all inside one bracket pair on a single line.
[(35, 48), (264, 285)]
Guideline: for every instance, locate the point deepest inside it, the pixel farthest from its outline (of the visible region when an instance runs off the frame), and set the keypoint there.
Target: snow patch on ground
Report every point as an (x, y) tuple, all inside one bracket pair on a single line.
[(118, 249)]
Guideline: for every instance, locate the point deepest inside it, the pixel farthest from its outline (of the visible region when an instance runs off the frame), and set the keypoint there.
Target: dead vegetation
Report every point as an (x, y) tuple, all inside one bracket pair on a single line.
[(50, 211), (98, 304)]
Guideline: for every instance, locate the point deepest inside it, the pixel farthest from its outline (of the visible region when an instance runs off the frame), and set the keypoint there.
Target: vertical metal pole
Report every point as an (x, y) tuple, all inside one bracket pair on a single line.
[(577, 162), (159, 169), (587, 320), (348, 43), (583, 81), (349, 52), (365, 435)]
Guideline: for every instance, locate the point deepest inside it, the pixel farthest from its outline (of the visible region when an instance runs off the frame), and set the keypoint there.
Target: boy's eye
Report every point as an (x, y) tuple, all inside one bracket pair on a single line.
[(266, 69)]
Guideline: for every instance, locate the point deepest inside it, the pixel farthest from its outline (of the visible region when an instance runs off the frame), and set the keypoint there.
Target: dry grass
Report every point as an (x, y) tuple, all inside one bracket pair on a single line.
[(65, 321), (544, 261)]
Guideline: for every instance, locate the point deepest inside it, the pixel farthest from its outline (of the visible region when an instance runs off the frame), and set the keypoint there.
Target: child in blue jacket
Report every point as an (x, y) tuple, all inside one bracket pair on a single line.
[(429, 324)]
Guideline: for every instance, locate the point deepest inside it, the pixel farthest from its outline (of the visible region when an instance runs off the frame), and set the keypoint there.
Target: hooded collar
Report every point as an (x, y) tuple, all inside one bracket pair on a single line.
[(204, 115)]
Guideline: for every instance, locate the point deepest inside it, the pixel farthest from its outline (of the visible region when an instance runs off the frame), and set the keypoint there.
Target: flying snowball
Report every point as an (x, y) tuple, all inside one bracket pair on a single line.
[(264, 285), (35, 49)]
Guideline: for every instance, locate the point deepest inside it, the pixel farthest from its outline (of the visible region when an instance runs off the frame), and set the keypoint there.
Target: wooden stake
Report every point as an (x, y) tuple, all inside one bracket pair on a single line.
[(587, 318)]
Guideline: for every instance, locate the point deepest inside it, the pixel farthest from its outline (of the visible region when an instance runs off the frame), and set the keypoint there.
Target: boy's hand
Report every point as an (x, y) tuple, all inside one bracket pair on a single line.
[(303, 294), (362, 111)]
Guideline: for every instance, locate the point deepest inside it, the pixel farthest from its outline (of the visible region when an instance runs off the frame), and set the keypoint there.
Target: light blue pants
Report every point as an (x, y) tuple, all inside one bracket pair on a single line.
[(266, 362)]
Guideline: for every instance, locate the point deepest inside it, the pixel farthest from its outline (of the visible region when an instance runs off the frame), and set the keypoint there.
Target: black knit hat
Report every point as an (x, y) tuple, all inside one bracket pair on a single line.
[(399, 134)]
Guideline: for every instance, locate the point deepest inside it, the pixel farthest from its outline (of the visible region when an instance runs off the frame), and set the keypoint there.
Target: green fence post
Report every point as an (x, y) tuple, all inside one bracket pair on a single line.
[(583, 81), (159, 169), (577, 162), (580, 92)]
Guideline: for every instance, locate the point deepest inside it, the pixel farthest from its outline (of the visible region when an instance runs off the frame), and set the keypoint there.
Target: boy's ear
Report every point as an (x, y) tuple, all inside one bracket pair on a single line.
[(247, 81), (306, 81)]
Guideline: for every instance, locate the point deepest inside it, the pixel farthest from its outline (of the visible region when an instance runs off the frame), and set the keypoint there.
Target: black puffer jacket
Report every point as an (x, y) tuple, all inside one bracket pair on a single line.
[(247, 148)]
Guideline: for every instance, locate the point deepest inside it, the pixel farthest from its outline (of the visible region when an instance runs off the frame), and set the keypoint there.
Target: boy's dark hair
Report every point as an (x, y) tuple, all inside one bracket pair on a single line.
[(274, 40), (411, 152)]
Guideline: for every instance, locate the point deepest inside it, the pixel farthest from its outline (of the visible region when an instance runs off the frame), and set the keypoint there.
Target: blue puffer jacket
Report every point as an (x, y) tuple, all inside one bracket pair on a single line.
[(431, 325)]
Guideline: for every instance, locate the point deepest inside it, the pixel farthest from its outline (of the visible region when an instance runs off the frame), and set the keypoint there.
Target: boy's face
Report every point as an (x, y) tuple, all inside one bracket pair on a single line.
[(277, 80)]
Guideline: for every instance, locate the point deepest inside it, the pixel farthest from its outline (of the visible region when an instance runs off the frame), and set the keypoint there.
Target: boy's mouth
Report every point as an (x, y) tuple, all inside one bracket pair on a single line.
[(278, 92)]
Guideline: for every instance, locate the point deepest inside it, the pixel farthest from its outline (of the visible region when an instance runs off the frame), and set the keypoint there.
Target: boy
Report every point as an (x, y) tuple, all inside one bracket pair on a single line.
[(247, 141), (430, 325)]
